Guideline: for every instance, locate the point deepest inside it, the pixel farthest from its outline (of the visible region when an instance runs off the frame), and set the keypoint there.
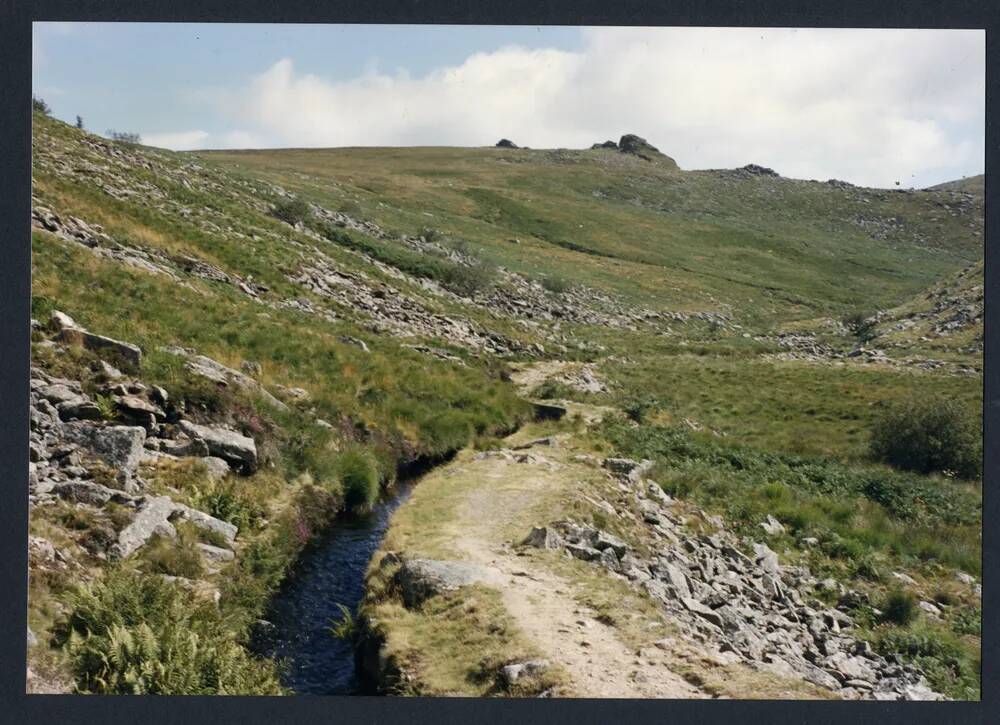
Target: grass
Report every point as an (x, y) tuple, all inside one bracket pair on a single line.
[(475, 630)]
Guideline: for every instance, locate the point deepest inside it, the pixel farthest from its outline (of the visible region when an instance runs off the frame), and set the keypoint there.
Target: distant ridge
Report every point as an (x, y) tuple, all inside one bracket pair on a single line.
[(971, 184)]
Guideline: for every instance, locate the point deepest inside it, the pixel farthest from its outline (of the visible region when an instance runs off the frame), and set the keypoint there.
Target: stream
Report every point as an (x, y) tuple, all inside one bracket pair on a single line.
[(331, 572)]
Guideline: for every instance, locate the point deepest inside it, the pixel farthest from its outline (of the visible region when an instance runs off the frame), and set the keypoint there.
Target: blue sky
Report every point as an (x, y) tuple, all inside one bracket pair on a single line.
[(872, 107)]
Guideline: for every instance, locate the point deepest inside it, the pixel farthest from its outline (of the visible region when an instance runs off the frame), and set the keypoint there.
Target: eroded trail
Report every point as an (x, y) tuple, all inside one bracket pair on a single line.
[(494, 498)]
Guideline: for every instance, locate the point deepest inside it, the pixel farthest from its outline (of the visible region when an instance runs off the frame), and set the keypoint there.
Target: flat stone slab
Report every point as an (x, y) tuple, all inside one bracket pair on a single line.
[(421, 579)]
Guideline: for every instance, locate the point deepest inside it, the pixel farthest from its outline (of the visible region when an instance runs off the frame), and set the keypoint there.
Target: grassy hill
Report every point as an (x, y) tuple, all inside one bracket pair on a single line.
[(761, 247), (745, 331)]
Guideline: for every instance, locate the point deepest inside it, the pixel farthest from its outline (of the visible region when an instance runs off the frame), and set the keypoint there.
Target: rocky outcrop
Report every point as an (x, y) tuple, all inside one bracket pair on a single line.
[(506, 144), (238, 450), (70, 332), (219, 374), (638, 146)]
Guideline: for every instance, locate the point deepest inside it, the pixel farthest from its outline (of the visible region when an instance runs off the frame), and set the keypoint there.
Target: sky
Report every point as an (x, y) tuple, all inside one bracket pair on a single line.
[(873, 107)]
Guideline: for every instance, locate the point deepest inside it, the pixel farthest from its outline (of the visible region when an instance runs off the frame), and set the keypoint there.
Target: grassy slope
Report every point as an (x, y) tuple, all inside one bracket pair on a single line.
[(768, 247)]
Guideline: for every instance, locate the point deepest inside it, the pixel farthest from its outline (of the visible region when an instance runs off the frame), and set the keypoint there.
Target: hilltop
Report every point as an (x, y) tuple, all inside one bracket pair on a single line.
[(233, 349)]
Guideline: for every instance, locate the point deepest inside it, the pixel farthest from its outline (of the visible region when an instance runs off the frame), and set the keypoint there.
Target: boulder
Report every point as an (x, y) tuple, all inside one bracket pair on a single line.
[(675, 577), (766, 559), (138, 410), (607, 541), (238, 450), (206, 522), (70, 333), (421, 579), (542, 537), (152, 518), (219, 374), (185, 447), (216, 468), (120, 447), (606, 145), (216, 554), (772, 526), (81, 408), (703, 611), (86, 492), (509, 674), (584, 553)]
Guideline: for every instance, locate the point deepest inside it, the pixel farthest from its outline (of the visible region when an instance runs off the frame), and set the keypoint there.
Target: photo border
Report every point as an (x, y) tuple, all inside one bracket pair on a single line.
[(16, 17)]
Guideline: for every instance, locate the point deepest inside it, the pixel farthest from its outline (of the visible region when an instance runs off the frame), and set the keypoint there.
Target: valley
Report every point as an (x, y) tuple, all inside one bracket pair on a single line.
[(632, 407)]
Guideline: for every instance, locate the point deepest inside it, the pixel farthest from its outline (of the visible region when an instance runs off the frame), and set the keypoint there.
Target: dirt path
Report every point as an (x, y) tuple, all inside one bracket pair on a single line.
[(474, 509), (598, 663)]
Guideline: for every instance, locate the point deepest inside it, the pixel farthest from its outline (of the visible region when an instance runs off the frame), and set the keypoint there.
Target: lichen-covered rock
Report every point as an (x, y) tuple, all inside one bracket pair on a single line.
[(120, 447), (152, 519), (238, 450)]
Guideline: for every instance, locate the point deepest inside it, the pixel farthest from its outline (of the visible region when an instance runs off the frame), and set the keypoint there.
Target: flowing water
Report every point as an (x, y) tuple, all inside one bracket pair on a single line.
[(332, 572)]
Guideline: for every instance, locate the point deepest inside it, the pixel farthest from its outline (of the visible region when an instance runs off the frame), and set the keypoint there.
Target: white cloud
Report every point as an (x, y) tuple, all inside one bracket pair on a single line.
[(190, 140), (176, 141), (870, 106)]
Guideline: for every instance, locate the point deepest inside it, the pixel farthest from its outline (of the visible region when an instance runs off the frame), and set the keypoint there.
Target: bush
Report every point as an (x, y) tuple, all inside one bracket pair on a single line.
[(636, 409), (135, 634), (860, 325), (124, 136), (950, 667), (38, 104), (556, 285), (926, 434), (178, 557), (899, 607), (359, 479), (292, 211), (229, 502)]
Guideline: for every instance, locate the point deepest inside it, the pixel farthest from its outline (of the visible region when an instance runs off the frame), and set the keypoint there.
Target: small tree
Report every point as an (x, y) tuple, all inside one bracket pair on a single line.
[(37, 104), (79, 122), (928, 433)]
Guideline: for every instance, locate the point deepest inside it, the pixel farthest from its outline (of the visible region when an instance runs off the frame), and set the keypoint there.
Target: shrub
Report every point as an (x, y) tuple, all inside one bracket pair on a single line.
[(860, 325), (38, 104), (638, 408), (899, 607), (124, 136), (292, 211), (135, 634), (174, 557), (359, 479), (950, 667), (926, 434), (557, 285), (230, 503)]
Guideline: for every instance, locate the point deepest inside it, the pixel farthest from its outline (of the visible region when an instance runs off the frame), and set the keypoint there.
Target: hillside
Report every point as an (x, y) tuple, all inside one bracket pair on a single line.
[(235, 352), (969, 185)]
